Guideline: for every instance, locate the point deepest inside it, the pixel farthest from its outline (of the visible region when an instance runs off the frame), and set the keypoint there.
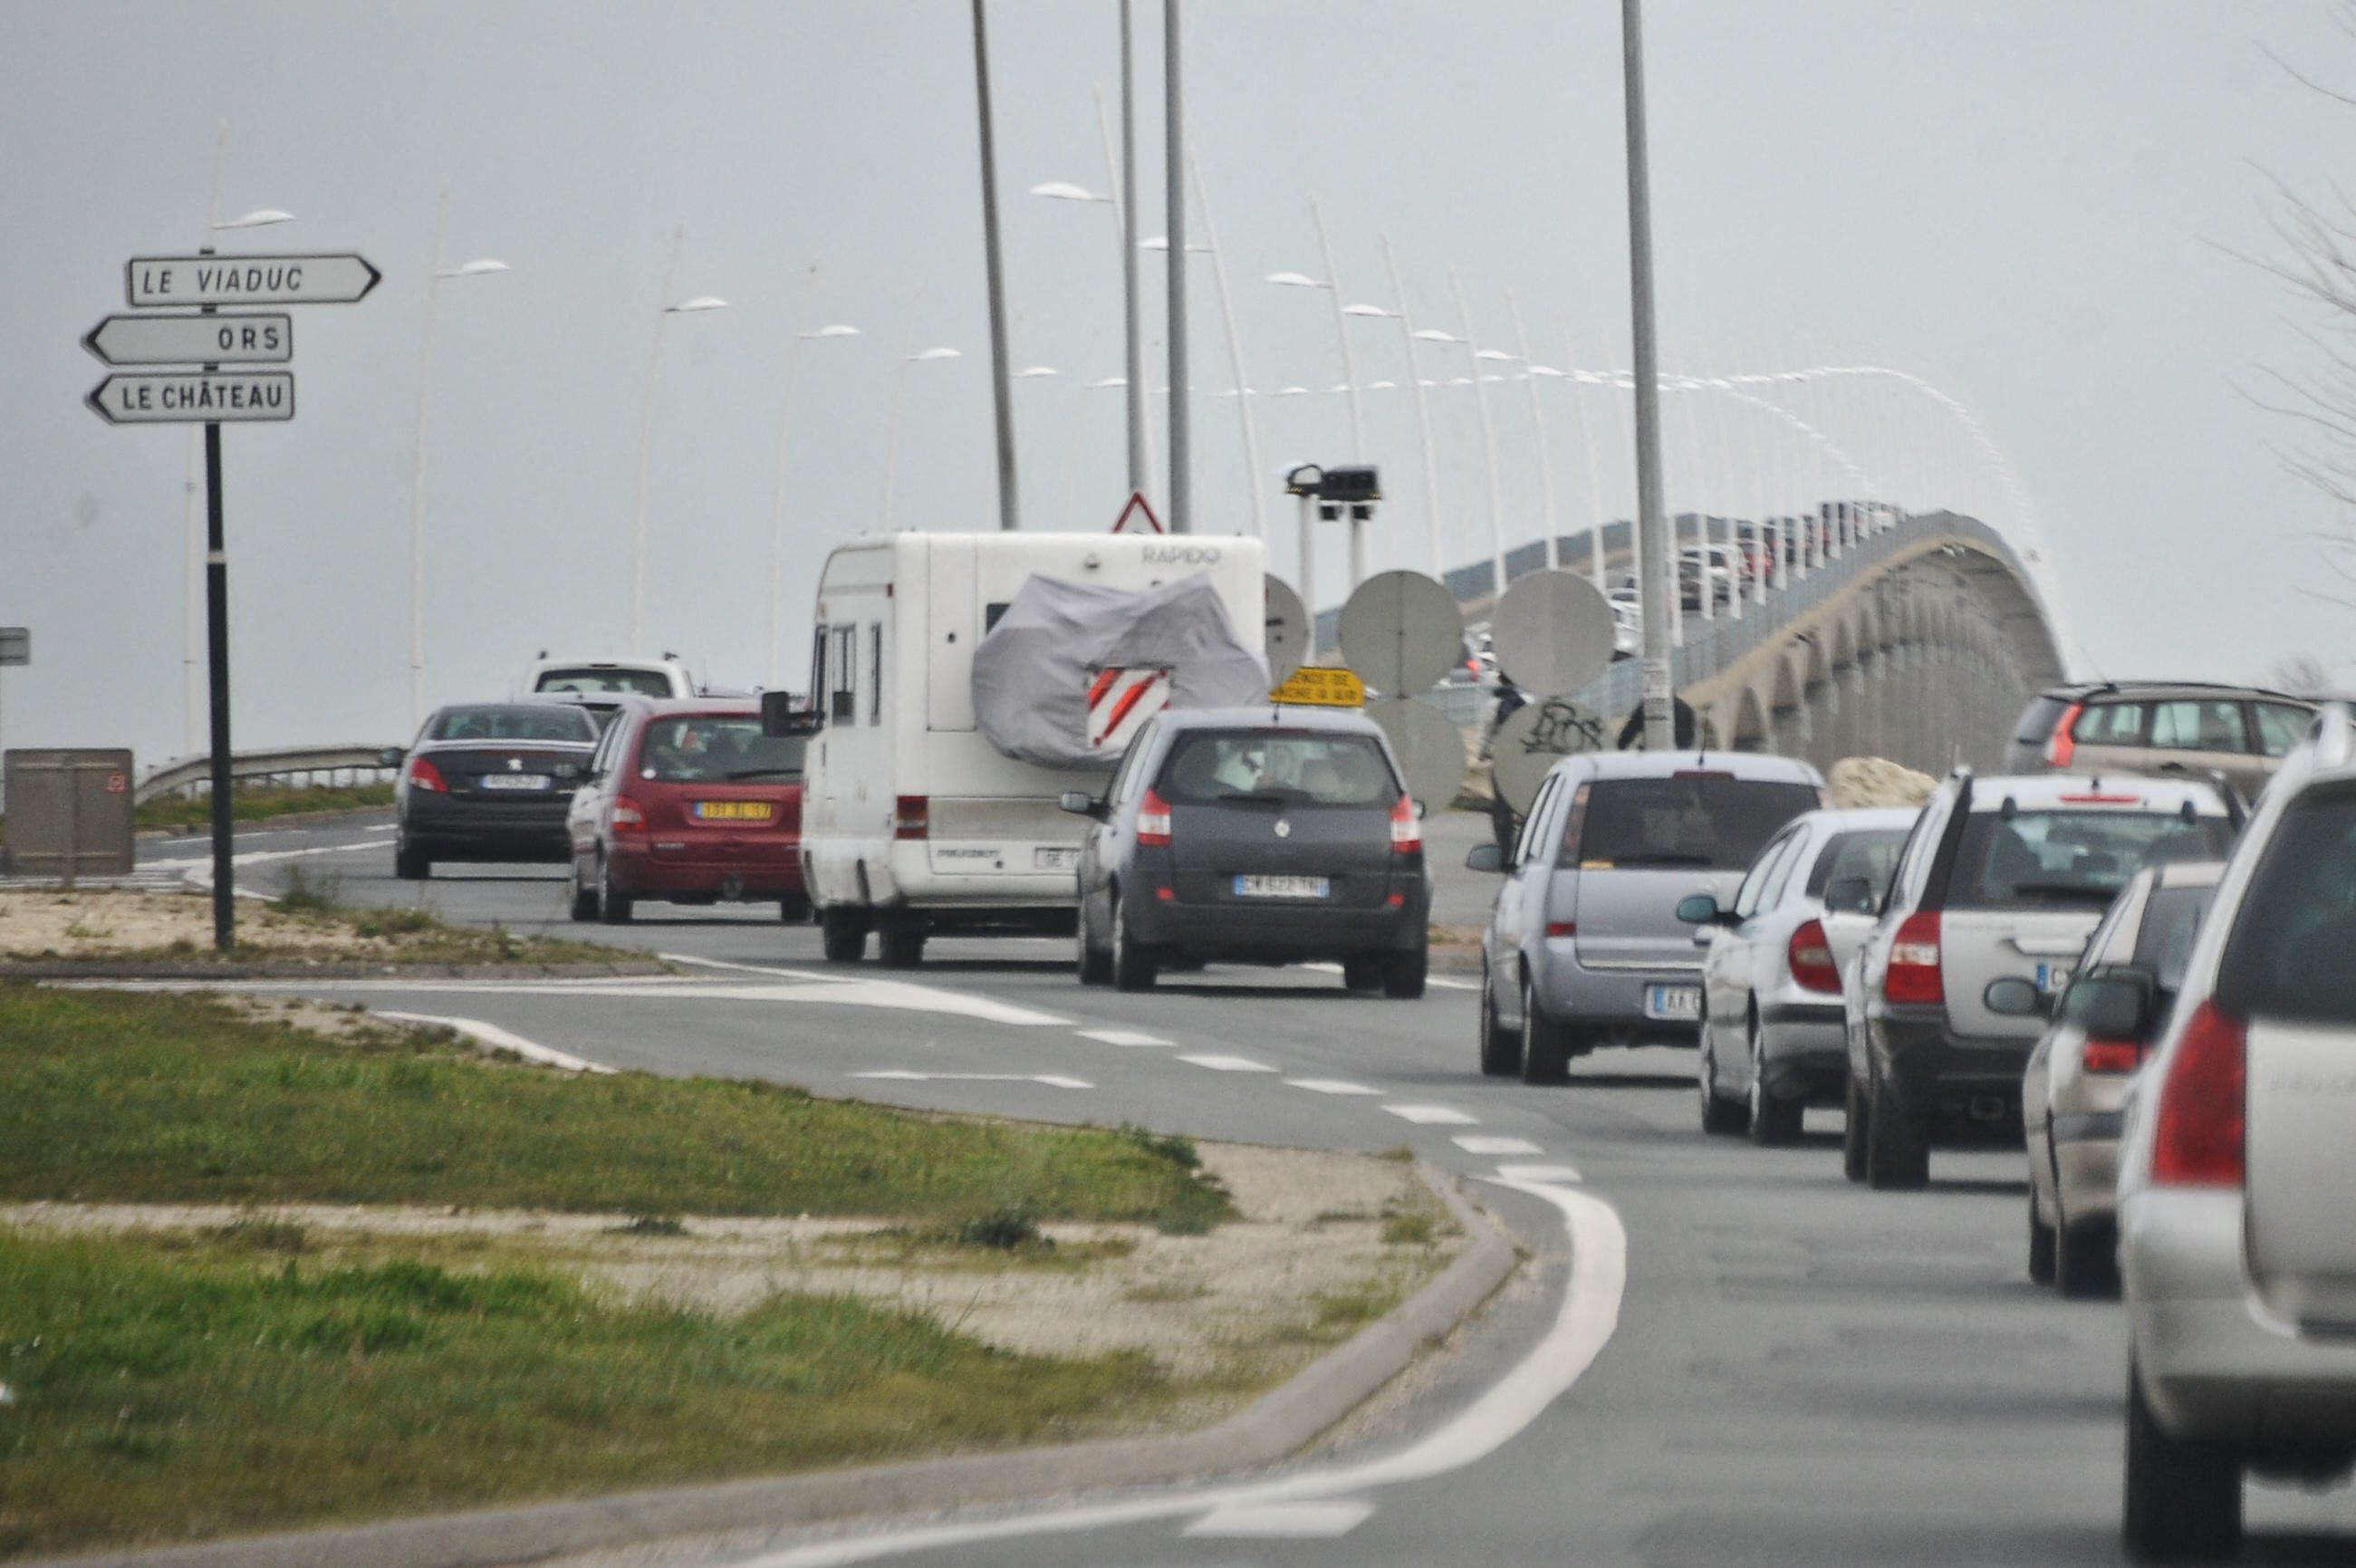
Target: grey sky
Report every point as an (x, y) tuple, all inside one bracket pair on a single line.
[(2020, 200)]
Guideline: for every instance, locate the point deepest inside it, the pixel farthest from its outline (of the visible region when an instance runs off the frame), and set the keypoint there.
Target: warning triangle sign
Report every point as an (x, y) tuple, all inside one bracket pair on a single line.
[(1138, 507)]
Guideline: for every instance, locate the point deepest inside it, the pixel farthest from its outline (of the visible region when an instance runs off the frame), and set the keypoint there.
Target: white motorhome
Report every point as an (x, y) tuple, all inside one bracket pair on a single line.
[(912, 821)]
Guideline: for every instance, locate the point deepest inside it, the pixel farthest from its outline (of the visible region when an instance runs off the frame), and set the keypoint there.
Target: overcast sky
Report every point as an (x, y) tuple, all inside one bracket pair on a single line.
[(2032, 205)]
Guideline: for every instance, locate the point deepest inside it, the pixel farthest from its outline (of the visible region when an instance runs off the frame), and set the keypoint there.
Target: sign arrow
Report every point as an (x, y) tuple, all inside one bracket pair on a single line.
[(192, 397), (248, 280), (256, 339)]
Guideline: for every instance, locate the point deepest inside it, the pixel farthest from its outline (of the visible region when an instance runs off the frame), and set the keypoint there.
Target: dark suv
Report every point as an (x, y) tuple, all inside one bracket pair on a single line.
[(2173, 728), (1259, 836)]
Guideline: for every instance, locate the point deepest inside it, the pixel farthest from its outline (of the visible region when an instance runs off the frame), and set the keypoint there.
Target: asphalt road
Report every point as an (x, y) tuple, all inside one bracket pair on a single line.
[(1746, 1360)]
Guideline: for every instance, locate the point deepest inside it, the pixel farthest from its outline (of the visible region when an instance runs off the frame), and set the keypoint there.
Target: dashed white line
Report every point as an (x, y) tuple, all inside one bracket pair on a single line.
[(1433, 1115), (1283, 1521), (1228, 1064), (1053, 1081), (1545, 1176), (1123, 1037), (1479, 1144), (1331, 1086)]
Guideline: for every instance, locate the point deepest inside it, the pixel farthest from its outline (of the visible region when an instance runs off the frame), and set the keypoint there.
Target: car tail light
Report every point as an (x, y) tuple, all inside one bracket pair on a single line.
[(627, 816), (1810, 953), (912, 816), (1153, 821), (1574, 826), (1562, 928), (424, 775), (1915, 974), (1407, 834), (2062, 746), (2113, 1055), (2197, 1138)]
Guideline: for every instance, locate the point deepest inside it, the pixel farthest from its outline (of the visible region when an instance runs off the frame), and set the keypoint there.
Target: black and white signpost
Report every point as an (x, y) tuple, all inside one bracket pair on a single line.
[(201, 392)]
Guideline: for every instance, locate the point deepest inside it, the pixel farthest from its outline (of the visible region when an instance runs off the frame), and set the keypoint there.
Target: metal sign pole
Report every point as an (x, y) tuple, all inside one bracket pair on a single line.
[(1656, 564), (216, 683)]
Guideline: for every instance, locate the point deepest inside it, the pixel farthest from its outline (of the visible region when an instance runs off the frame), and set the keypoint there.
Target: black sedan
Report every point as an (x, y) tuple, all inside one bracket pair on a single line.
[(1255, 836), (489, 781)]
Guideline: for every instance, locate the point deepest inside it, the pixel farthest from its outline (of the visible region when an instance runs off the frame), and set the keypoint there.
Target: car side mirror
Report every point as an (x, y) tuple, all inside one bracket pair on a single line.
[(1851, 896), (2013, 997), (1697, 910), (2113, 1004), (390, 757), (1484, 857), (1080, 803), (782, 719)]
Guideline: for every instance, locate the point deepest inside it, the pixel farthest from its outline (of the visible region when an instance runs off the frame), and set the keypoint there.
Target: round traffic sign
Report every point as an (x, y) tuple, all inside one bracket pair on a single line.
[(1401, 631), (1535, 737), (1286, 633), (1552, 632), (1430, 750)]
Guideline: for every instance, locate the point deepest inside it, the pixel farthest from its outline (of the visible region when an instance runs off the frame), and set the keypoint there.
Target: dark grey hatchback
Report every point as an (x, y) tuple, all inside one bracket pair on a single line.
[(1253, 835)]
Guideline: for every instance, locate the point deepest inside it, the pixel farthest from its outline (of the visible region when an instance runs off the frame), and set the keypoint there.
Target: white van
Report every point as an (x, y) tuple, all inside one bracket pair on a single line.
[(600, 684), (913, 821)]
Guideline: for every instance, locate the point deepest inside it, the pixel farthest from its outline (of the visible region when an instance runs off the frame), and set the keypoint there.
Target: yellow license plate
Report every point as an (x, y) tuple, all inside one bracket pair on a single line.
[(732, 810)]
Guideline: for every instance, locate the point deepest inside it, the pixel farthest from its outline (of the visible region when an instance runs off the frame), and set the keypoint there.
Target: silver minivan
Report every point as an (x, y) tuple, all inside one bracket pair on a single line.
[(1583, 946)]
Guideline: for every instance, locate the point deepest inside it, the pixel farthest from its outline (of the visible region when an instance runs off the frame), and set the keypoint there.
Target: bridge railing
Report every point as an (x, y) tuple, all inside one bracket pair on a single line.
[(304, 763)]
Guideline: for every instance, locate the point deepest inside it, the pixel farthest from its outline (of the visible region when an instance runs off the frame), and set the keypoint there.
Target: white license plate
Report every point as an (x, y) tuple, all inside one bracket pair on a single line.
[(515, 781), (1054, 859), (1281, 887), (2053, 977), (1674, 1004)]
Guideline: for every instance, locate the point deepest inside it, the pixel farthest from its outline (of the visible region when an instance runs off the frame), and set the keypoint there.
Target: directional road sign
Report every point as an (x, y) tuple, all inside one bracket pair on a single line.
[(248, 280), (1402, 631), (256, 339), (1552, 631), (192, 397)]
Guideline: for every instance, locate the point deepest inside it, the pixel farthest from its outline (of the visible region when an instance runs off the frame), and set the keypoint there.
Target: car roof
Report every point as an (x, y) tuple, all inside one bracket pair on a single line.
[(2141, 690), (2053, 791), (1850, 819), (1270, 715), (2188, 873), (1752, 765)]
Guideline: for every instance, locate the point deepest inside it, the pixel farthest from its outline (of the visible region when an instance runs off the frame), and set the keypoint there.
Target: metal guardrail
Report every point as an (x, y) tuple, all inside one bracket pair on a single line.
[(296, 762)]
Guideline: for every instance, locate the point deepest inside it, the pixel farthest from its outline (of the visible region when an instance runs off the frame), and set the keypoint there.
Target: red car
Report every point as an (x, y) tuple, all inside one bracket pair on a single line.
[(687, 801)]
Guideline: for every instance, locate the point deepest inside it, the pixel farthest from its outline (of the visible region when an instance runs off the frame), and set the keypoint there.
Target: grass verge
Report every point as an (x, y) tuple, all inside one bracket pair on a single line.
[(258, 804), (179, 1099), (159, 1394)]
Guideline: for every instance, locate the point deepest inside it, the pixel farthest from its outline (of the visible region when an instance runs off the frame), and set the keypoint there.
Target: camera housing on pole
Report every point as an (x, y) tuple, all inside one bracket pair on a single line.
[(1337, 494)]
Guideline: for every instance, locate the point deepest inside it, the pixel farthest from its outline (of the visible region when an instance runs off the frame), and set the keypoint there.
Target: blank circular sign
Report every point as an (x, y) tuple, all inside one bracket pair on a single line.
[(1552, 632), (1287, 633), (1401, 631), (1430, 750), (1535, 737)]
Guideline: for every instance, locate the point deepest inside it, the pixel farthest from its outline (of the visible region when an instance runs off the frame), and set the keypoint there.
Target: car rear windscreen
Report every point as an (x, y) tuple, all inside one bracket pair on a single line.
[(2043, 860), (1700, 820), (643, 682), (550, 721), (2290, 956), (1288, 768), (712, 749)]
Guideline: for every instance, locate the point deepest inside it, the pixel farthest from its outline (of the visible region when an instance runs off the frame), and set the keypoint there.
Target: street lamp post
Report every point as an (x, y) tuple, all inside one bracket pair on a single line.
[(1254, 478), (891, 426), (1659, 583), (1537, 420), (1488, 435), (481, 266), (694, 306), (827, 333)]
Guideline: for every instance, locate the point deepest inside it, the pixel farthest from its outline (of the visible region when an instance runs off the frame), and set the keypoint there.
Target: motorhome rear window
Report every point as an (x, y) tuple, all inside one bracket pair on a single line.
[(642, 682)]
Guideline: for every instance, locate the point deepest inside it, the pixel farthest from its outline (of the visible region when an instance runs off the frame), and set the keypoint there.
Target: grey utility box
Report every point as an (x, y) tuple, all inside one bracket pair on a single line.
[(68, 813)]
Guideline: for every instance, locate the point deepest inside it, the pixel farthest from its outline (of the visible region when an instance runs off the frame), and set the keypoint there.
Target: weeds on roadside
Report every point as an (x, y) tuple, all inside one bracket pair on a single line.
[(310, 891)]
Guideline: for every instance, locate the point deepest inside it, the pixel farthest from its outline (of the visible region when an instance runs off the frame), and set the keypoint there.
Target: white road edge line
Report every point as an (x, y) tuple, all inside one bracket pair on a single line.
[(501, 1039), (1283, 1521), (1582, 1327), (1479, 1144), (1558, 1174), (753, 968), (905, 1075), (1122, 1037)]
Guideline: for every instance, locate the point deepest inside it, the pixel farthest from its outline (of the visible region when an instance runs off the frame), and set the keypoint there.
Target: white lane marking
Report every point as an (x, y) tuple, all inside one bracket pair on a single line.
[(1558, 1174), (1218, 1063), (383, 828), (753, 968), (1442, 983), (198, 868), (1331, 1086), (1053, 1081), (1283, 1521), (1124, 1037), (1477, 1143), (492, 1034), (1583, 1325), (1433, 1115)]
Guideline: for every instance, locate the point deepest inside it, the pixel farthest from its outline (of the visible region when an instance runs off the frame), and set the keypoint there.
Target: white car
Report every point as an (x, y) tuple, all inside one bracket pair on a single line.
[(2237, 1180), (600, 684), (1774, 1035)]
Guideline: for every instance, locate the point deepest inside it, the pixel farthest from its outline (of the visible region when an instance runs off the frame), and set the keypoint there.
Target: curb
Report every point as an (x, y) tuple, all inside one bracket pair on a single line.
[(1278, 1423), (227, 973)]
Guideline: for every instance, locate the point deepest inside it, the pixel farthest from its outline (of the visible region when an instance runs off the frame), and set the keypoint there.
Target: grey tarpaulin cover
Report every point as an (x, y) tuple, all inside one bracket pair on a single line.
[(1032, 673)]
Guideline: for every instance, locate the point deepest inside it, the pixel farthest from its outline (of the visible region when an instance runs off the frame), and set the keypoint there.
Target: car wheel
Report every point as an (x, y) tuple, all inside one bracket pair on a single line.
[(614, 907), (842, 933), (1132, 962), (1853, 1133), (409, 863), (1363, 972), (1773, 1120), (584, 898), (1095, 962), (1404, 973), (900, 944), (2041, 1245), (1500, 1049), (1896, 1156), (1720, 1116), (2183, 1500), (2085, 1259), (1545, 1056)]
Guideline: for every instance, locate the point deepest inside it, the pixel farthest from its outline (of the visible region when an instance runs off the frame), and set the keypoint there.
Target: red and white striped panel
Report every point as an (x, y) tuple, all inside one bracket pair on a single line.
[(1120, 700)]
